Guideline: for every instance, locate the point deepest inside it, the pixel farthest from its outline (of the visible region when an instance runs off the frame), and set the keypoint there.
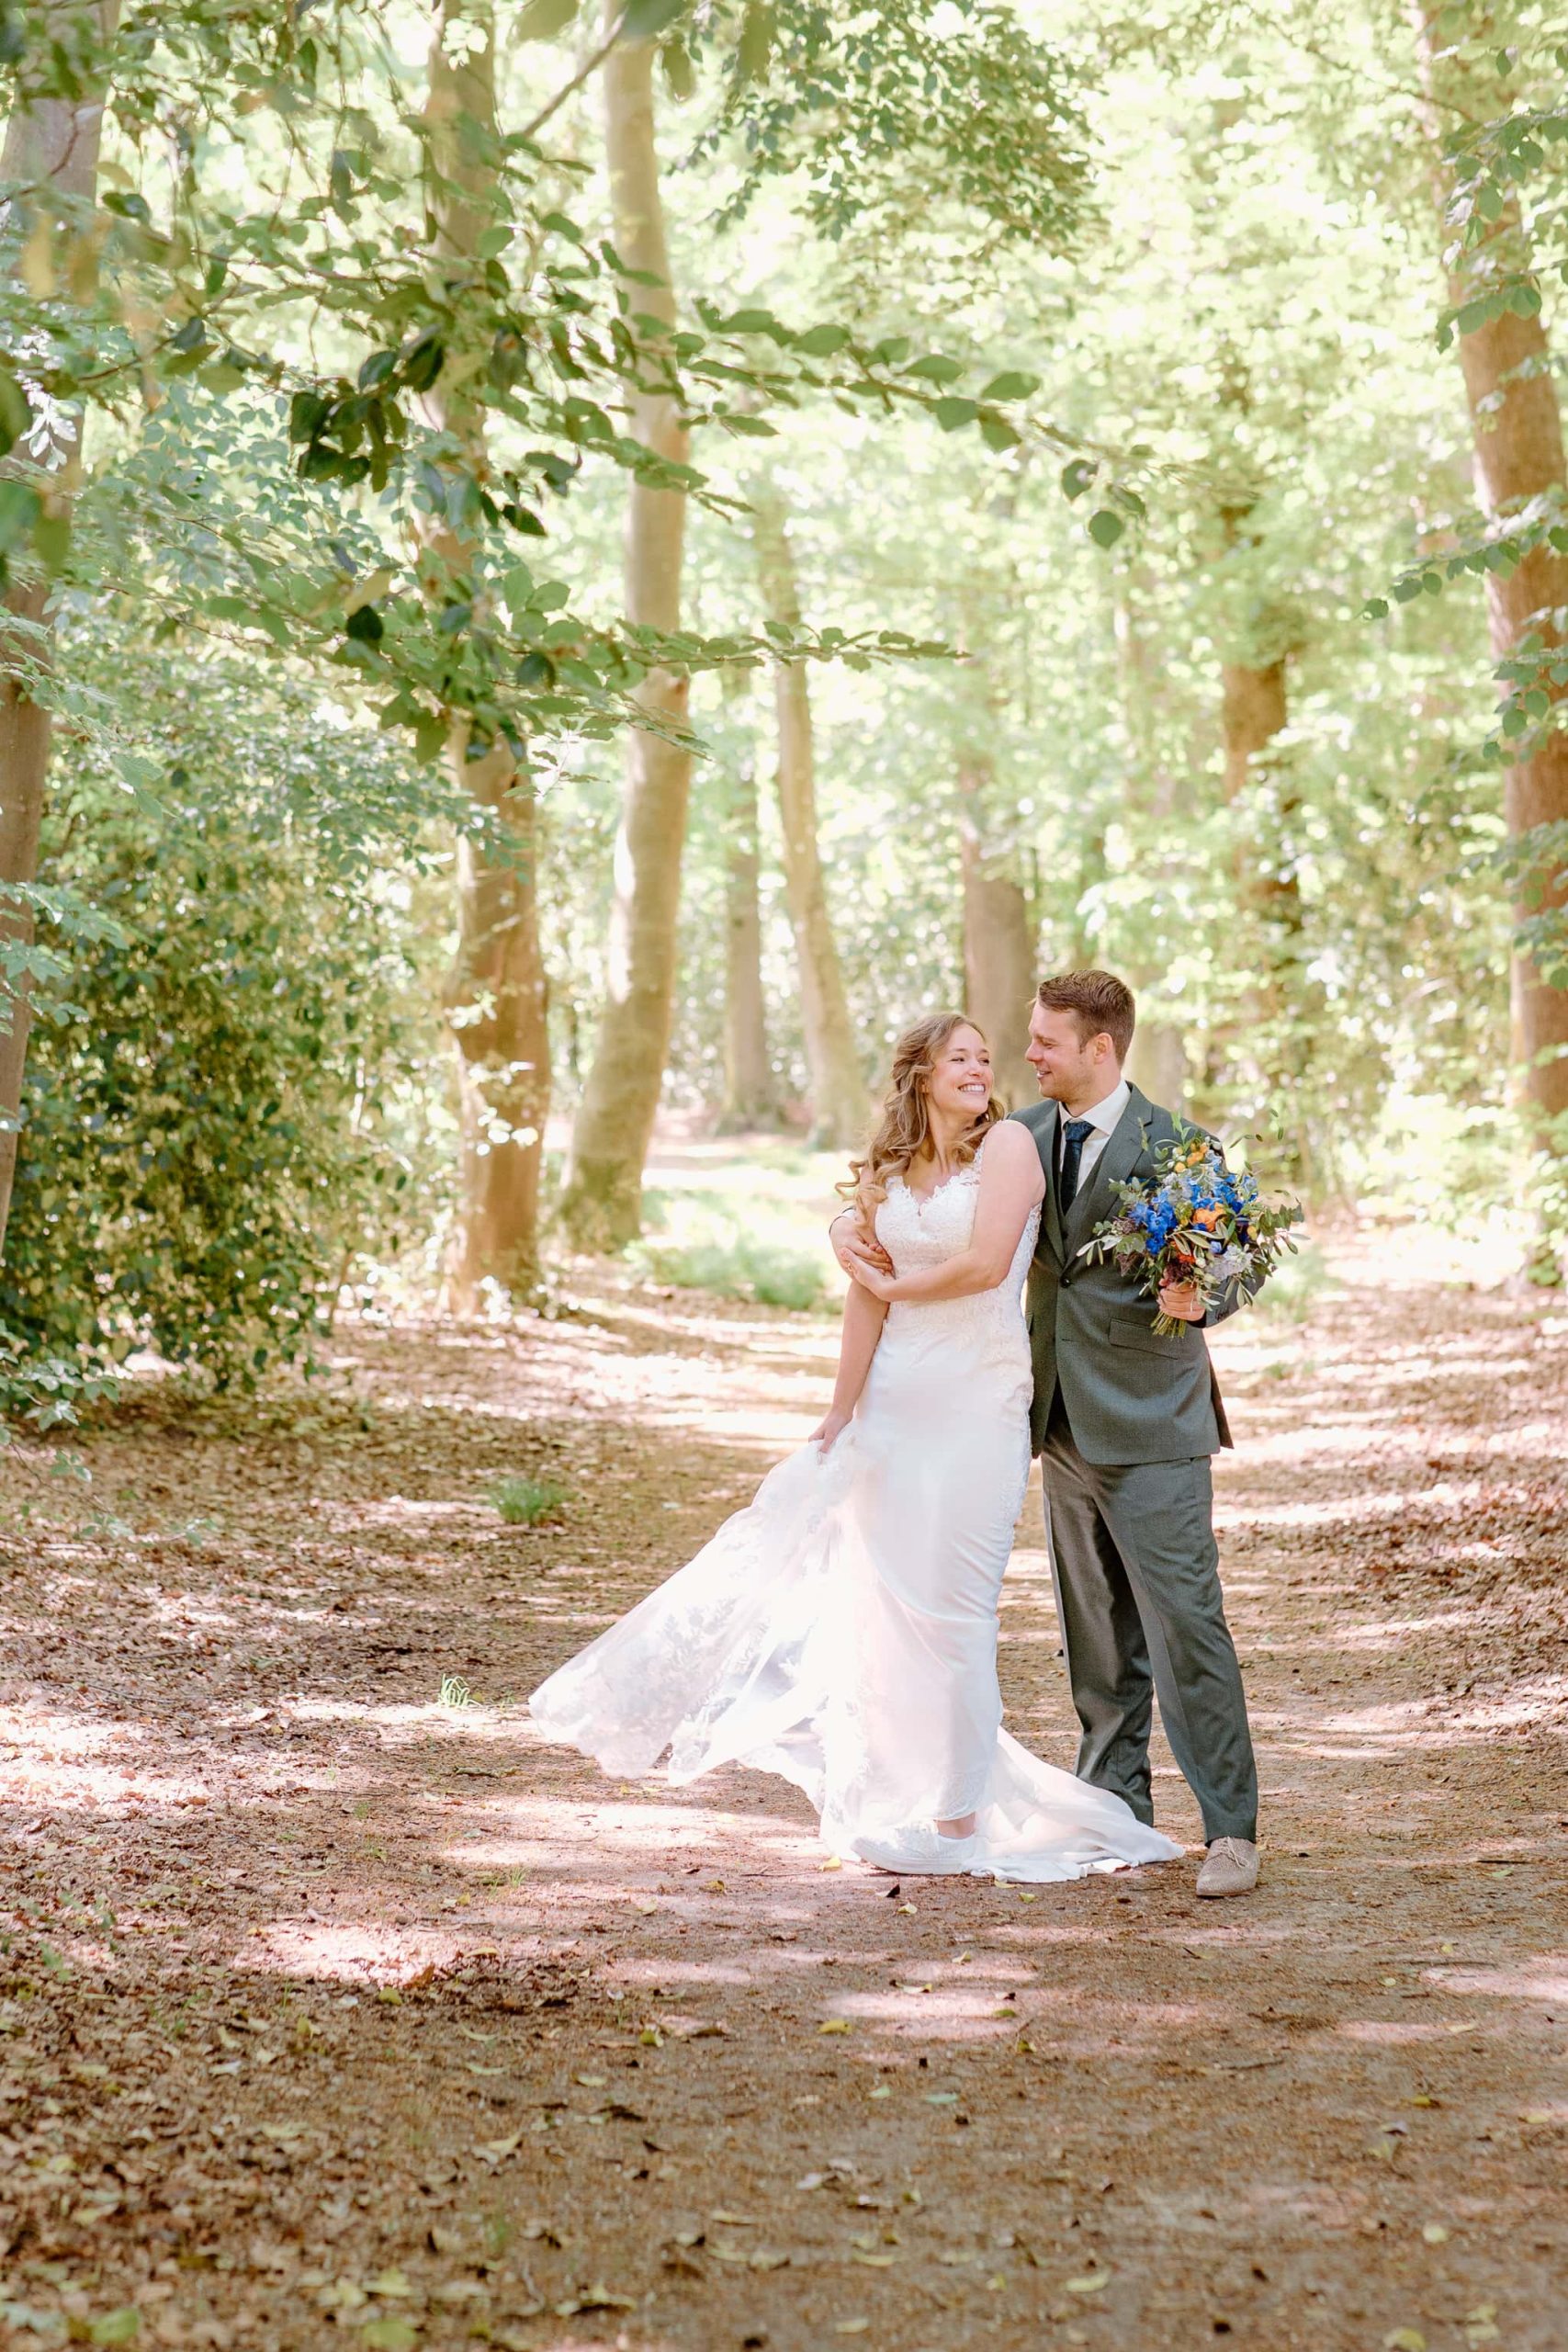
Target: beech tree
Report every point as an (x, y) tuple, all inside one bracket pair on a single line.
[(49, 168), (601, 1203), (1522, 487), (750, 1097), (838, 1095), (496, 995)]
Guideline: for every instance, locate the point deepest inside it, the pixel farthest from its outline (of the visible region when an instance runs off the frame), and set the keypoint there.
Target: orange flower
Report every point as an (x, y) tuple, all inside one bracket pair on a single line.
[(1207, 1218)]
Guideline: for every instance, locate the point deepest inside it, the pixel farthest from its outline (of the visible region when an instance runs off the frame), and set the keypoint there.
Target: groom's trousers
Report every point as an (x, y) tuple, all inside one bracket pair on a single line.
[(1137, 1572)]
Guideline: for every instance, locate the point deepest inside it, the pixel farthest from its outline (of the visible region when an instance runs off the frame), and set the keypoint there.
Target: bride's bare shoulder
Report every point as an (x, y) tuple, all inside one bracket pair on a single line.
[(1009, 1145)]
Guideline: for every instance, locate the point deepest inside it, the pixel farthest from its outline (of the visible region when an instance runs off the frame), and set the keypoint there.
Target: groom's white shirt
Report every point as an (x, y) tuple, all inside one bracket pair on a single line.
[(1102, 1121)]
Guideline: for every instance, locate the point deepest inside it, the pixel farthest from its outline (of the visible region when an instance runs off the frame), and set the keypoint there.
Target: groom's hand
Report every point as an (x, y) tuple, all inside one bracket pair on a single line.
[(1182, 1300), (852, 1248)]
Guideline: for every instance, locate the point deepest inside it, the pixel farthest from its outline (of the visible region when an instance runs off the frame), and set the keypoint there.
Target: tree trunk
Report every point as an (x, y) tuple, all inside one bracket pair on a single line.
[(497, 1006), (1157, 1058), (1253, 712), (999, 965), (1156, 1061), (496, 1000), (51, 144), (751, 1096), (839, 1099), (602, 1202), (1517, 427)]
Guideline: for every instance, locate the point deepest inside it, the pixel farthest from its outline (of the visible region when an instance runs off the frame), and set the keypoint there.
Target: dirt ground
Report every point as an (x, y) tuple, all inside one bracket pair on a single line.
[(332, 2014)]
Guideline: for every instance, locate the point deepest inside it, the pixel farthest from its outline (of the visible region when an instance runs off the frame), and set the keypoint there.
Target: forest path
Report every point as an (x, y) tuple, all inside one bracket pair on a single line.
[(335, 2015)]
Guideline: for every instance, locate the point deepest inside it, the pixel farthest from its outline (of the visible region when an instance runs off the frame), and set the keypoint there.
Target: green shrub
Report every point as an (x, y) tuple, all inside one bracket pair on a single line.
[(203, 1143), (524, 1501), (753, 1271)]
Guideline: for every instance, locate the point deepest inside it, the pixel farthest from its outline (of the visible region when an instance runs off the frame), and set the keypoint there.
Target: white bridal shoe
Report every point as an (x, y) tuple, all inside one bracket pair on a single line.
[(920, 1853)]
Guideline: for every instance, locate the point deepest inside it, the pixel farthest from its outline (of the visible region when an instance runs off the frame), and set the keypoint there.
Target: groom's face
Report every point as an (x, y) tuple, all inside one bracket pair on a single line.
[(1068, 1066)]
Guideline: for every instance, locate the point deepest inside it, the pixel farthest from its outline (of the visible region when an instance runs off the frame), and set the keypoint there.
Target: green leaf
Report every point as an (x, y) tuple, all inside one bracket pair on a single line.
[(755, 47), (1105, 526), (429, 737), (52, 539), (542, 19), (997, 434), (307, 412), (680, 73), (820, 343), (367, 626), (19, 510), (421, 361), (953, 414), (391, 2333), (1010, 386), (1078, 476), (122, 2326), (645, 17), (16, 415), (936, 369)]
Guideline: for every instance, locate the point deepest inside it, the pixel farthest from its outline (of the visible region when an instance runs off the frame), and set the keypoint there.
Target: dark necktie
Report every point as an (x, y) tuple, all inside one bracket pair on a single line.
[(1076, 1134)]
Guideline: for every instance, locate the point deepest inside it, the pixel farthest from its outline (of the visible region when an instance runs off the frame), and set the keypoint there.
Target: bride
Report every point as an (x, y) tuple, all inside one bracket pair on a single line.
[(842, 1630)]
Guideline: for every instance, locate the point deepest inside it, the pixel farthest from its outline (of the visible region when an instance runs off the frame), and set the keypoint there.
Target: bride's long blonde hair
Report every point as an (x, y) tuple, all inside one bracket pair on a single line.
[(903, 1133)]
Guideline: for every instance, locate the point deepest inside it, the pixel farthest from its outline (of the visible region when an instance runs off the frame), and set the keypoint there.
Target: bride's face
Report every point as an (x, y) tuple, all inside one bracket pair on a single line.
[(960, 1084)]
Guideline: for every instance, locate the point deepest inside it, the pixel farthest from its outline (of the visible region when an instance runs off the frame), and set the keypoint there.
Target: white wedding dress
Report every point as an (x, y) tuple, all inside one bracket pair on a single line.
[(842, 1630)]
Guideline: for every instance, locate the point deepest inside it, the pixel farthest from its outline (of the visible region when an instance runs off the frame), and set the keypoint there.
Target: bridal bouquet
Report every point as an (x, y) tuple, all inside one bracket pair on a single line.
[(1197, 1222)]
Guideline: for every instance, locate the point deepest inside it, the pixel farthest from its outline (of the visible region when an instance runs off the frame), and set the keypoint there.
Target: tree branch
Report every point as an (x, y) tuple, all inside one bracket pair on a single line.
[(595, 58)]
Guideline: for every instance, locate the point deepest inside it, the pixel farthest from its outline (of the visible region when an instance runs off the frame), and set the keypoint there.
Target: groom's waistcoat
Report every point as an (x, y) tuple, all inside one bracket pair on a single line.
[(1130, 1394)]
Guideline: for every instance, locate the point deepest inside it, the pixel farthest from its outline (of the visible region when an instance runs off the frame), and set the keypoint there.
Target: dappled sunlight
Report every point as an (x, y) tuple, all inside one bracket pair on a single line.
[(610, 2010)]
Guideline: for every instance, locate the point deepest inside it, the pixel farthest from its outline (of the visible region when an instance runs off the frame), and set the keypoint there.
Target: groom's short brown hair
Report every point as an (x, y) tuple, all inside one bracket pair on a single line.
[(1099, 1003)]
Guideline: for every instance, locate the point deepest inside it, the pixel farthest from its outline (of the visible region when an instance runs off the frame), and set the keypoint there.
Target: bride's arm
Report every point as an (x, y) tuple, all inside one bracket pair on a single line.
[(1011, 1184), (864, 1318)]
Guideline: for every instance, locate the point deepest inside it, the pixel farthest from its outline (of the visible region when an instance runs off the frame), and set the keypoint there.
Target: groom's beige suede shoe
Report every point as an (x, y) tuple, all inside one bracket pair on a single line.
[(1231, 1868)]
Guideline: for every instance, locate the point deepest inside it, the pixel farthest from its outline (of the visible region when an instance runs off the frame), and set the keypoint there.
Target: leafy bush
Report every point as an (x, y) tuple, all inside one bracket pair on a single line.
[(524, 1501), (203, 1147)]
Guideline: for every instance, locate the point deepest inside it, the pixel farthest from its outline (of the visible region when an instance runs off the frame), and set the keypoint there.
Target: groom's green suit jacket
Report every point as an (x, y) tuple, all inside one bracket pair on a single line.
[(1131, 1395)]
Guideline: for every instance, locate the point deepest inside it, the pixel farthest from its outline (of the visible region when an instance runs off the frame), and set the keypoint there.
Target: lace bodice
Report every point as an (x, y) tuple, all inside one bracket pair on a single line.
[(981, 1335)]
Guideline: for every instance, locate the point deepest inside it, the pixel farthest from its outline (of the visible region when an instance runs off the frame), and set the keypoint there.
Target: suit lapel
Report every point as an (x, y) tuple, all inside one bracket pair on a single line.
[(1115, 1164), (1051, 1219), (1042, 1123)]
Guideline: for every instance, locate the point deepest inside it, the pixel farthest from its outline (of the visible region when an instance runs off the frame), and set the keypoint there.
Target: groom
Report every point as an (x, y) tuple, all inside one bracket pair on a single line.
[(1124, 1422)]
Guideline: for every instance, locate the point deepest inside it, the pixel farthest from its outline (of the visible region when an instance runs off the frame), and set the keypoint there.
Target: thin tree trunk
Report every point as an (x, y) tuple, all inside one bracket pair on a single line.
[(53, 144), (602, 1202), (1000, 974), (498, 1009), (1517, 422), (1254, 710), (750, 1095), (496, 998), (1157, 1058), (838, 1096)]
